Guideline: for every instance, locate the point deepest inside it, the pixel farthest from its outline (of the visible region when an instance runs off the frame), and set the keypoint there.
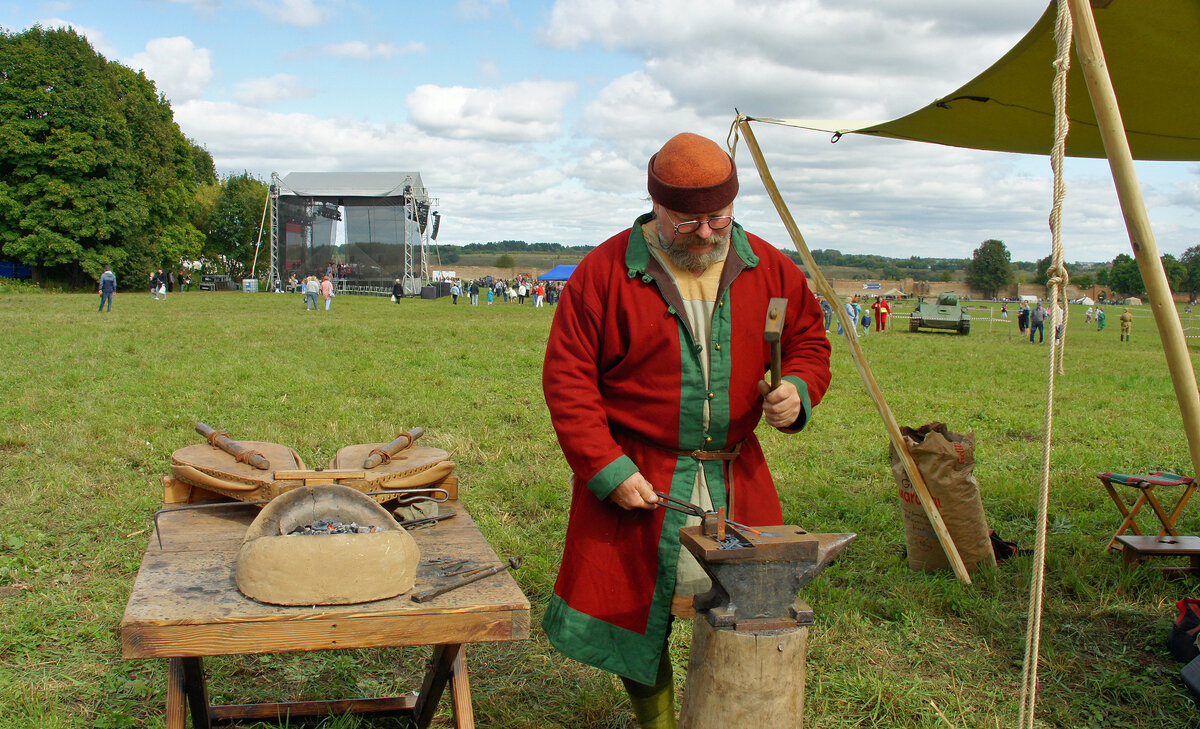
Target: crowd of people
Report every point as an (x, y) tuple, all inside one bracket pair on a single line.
[(878, 311), (514, 291), (161, 283)]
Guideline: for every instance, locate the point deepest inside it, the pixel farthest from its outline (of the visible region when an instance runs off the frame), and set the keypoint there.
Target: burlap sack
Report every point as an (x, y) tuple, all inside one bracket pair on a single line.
[(947, 463)]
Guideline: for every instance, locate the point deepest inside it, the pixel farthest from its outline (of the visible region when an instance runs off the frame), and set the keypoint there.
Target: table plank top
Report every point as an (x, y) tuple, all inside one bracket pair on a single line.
[(185, 600), (1148, 544)]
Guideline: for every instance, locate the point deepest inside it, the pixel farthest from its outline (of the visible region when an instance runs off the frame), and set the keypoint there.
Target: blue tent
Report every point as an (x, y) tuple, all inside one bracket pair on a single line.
[(561, 272)]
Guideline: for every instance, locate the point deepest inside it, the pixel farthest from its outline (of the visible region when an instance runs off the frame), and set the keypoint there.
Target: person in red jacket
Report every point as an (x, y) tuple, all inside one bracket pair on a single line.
[(654, 378)]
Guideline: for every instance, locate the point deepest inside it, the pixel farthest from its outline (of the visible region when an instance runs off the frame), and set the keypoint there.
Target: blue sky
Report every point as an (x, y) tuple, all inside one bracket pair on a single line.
[(534, 120)]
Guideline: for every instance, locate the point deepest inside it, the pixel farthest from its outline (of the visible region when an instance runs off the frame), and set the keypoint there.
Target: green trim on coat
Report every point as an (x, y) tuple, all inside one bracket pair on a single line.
[(805, 405), (611, 476)]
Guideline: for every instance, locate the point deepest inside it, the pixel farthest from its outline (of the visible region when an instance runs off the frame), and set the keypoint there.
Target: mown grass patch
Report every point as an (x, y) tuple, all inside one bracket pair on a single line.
[(92, 405)]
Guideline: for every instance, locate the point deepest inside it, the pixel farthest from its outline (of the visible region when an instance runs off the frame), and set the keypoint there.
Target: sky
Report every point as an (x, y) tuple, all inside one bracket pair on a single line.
[(534, 120)]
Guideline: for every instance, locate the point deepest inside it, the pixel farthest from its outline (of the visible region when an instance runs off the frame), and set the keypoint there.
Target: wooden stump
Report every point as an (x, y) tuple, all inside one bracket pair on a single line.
[(744, 679)]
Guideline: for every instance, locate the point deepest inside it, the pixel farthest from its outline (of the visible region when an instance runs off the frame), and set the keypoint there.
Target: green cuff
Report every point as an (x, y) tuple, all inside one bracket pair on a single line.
[(611, 476), (805, 405)]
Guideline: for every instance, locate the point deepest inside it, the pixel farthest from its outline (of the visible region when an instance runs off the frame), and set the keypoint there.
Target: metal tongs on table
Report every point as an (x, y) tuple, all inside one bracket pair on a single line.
[(714, 521)]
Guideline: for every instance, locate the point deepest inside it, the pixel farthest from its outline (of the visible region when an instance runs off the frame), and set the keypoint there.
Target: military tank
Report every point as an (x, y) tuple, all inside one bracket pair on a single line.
[(945, 314)]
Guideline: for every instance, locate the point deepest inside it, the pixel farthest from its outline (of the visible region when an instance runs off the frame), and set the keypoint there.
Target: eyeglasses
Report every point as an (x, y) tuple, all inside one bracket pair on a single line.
[(691, 226)]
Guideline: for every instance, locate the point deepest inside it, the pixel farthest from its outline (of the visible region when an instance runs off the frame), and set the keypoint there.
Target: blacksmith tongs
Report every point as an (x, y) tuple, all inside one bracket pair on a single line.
[(670, 502)]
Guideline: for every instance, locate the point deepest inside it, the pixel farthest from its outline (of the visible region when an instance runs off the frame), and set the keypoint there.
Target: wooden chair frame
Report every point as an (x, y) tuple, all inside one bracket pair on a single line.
[(1146, 485)]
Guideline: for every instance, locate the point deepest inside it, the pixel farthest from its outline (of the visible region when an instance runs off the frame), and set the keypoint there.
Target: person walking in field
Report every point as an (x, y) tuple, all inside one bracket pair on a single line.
[(1023, 318), (1126, 326), (311, 288), (1100, 318), (108, 287), (1037, 323), (881, 309), (327, 291)]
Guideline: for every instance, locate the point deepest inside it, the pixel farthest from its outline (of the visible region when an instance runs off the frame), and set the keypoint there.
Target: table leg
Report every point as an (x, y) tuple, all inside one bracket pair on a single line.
[(197, 691), (441, 669), (176, 709), (460, 692)]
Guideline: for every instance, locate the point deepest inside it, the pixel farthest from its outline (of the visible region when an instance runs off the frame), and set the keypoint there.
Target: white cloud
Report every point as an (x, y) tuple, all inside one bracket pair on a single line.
[(271, 90), (363, 51), (300, 13), (180, 69), (522, 112)]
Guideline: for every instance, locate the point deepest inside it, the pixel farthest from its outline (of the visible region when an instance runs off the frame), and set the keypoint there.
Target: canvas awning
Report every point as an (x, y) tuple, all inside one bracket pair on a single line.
[(1150, 52), (561, 272)]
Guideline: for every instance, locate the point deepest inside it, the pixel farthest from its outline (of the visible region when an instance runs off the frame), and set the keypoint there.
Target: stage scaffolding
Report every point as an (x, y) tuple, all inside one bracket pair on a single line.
[(386, 218)]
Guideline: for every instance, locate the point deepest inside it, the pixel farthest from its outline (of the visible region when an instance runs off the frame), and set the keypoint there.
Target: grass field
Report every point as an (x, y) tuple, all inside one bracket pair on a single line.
[(94, 404)]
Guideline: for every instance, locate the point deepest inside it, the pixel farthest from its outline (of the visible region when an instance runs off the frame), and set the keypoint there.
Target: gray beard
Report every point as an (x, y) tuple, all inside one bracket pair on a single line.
[(679, 254)]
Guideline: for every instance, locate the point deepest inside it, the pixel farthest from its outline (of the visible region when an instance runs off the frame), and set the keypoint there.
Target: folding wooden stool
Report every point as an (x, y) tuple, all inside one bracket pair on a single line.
[(1146, 483)]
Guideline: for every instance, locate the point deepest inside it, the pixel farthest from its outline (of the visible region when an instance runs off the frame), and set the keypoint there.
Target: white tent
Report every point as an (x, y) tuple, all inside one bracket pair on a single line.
[(1132, 301), (1087, 301), (1028, 298)]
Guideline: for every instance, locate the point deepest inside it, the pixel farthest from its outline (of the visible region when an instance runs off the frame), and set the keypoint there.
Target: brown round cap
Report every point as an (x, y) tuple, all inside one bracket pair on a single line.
[(692, 174)]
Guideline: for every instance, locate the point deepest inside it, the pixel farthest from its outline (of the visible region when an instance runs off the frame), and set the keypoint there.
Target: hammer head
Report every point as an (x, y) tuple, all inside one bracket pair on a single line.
[(776, 309)]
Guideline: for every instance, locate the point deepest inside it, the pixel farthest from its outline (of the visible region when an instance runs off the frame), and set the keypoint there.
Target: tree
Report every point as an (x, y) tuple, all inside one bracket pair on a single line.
[(1191, 261), (504, 261), (1083, 280), (1102, 276), (1177, 273), (989, 268), (1125, 276), (233, 227), (93, 168)]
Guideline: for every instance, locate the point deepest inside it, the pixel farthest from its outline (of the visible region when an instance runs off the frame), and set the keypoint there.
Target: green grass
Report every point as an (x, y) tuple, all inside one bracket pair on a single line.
[(92, 405)]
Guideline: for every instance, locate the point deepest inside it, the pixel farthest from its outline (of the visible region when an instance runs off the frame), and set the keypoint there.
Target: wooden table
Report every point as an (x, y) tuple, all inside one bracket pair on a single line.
[(1138, 548), (185, 605)]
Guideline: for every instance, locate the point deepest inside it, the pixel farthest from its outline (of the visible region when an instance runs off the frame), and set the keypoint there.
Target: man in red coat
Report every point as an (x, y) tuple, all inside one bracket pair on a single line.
[(654, 376)]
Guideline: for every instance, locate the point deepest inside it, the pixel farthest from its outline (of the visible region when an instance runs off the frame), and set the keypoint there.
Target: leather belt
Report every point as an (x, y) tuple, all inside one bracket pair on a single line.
[(701, 455)]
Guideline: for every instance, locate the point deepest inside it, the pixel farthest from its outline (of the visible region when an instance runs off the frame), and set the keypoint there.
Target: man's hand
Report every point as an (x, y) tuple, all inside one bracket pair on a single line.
[(634, 492), (782, 405)]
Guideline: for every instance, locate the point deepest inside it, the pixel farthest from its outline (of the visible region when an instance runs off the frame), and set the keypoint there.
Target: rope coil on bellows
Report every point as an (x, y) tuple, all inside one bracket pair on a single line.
[(384, 456)]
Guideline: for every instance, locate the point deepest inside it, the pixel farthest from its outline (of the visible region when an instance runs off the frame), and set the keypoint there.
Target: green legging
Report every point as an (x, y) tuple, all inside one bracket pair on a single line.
[(654, 705)]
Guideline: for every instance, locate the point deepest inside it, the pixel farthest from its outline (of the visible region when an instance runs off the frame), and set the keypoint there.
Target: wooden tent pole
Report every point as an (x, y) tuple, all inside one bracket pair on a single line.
[(1137, 222), (856, 353)]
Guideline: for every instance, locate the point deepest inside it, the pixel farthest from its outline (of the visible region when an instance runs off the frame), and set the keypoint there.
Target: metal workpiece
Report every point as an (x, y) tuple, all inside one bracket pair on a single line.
[(755, 581)]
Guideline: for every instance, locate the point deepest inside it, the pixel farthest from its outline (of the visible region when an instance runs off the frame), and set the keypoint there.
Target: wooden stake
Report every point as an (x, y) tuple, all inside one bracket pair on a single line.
[(856, 353), (1137, 222)]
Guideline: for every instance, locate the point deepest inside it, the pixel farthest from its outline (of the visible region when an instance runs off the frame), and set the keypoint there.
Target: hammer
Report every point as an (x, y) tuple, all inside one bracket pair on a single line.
[(513, 562), (776, 310)]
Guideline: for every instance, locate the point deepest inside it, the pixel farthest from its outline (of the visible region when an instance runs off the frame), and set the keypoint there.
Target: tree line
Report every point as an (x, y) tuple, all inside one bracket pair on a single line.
[(95, 172)]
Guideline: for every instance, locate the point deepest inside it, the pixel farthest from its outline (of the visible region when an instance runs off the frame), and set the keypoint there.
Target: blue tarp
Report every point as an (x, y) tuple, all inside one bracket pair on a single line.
[(561, 272)]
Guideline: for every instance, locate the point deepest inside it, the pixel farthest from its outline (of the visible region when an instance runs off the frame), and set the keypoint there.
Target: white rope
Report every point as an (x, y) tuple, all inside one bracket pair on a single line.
[(1058, 280)]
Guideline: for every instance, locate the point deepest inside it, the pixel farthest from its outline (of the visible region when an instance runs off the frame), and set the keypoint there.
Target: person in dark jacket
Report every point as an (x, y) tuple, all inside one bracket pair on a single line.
[(397, 291), (108, 286)]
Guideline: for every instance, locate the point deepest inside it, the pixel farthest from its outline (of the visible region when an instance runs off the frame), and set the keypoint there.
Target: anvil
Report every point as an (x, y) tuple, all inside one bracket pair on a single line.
[(755, 582)]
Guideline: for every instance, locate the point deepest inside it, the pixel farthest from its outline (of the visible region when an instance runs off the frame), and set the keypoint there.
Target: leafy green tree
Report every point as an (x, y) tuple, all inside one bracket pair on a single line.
[(1041, 275), (1177, 273), (989, 268), (234, 224), (1125, 277), (504, 261), (1102, 276), (93, 169), (1083, 280), (1191, 261)]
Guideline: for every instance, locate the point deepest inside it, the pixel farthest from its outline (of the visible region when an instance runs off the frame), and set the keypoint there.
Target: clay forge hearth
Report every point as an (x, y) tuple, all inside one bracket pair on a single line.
[(277, 567)]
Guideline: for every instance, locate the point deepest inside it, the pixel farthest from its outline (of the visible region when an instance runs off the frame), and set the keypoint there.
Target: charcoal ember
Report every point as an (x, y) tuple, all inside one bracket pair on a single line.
[(322, 526)]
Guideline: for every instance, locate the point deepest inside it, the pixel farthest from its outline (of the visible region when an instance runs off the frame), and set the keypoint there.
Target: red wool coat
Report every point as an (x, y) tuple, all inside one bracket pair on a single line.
[(623, 381)]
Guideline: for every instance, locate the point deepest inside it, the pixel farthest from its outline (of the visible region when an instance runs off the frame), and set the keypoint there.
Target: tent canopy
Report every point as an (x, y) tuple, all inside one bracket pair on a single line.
[(561, 272), (352, 184), (1149, 49)]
